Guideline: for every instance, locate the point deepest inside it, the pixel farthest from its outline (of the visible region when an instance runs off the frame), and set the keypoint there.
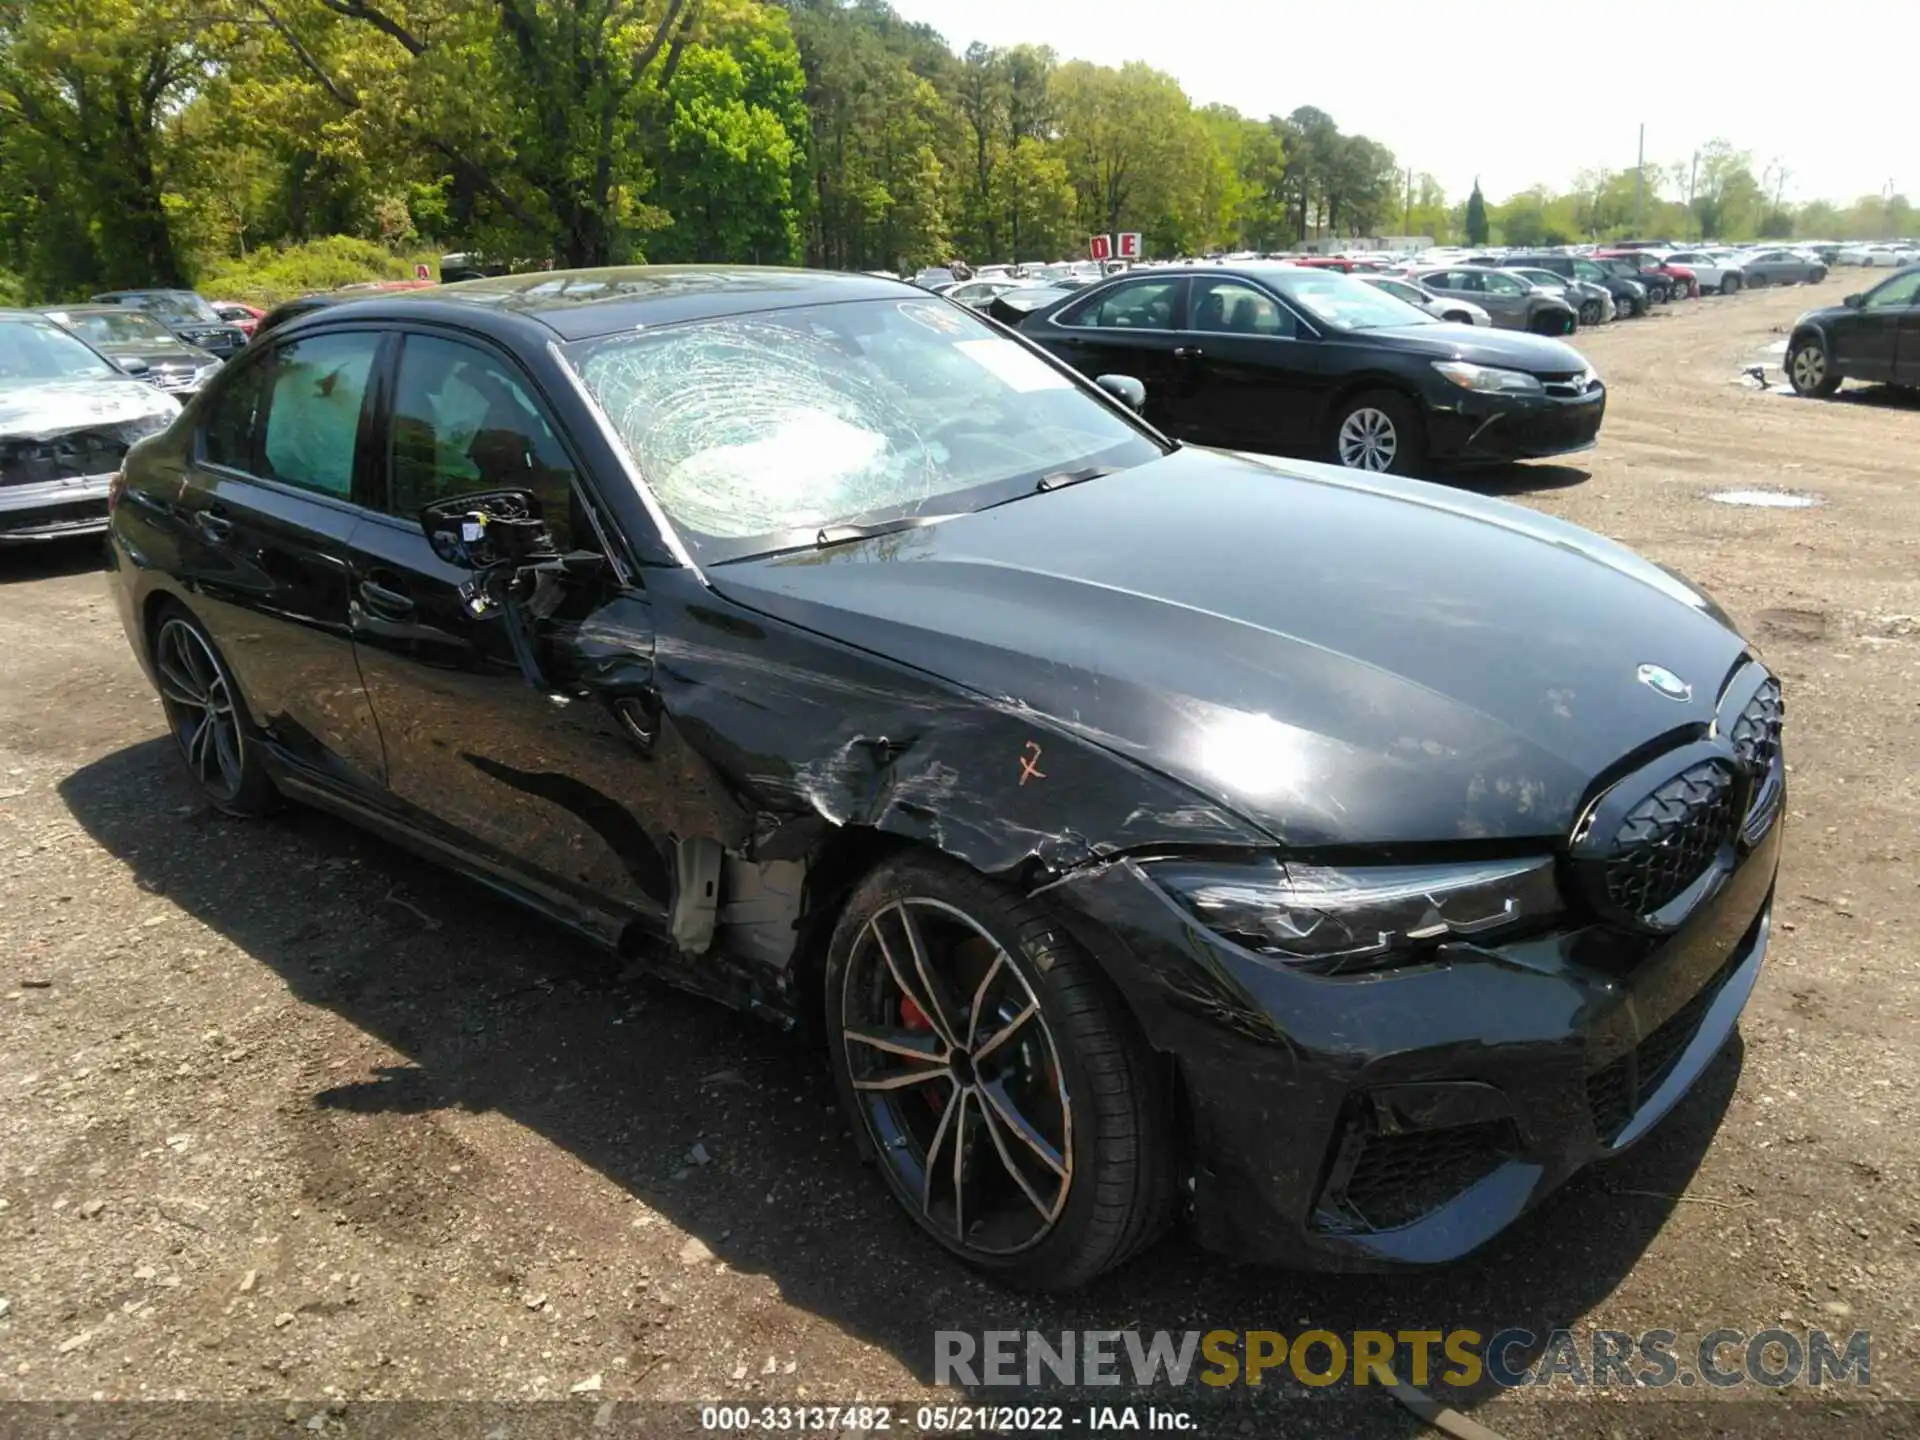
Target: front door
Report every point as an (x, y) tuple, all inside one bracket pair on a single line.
[(543, 783), (1256, 378), (1131, 328), (270, 507)]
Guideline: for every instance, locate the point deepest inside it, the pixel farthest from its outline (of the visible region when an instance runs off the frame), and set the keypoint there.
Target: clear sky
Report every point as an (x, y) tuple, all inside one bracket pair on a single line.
[(1530, 94)]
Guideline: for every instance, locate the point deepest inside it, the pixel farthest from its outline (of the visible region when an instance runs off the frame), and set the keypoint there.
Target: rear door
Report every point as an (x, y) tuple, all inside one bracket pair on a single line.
[(278, 471), (1128, 328), (1906, 360), (543, 785), (1256, 376)]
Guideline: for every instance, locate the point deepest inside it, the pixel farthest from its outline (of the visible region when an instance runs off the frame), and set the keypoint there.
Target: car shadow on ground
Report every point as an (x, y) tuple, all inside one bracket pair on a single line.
[(1884, 397), (50, 559), (492, 1010), (1530, 478)]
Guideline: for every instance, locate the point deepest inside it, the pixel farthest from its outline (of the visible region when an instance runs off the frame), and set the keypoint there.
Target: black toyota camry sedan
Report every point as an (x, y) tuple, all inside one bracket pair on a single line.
[(1314, 363), (1334, 860)]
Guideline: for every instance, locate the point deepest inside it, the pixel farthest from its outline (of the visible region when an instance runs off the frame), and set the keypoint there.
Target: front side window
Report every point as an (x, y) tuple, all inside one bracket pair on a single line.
[(1137, 305), (1497, 284), (1234, 308), (35, 352), (463, 421), (1896, 294), (310, 411), (755, 432), (1587, 270)]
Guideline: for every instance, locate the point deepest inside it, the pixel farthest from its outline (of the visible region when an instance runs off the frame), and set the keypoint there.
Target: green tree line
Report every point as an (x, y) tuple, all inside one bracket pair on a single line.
[(291, 143)]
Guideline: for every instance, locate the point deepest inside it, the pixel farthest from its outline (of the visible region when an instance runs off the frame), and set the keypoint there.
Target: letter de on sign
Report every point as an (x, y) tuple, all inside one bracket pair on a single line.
[(1129, 245), (1100, 247)]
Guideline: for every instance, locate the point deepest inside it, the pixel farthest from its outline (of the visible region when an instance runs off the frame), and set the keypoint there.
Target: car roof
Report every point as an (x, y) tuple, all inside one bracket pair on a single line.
[(152, 290), (582, 304), (83, 310)]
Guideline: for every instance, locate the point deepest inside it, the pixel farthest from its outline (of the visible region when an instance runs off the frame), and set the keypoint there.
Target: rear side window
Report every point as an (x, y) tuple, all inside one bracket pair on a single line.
[(318, 387), (294, 416), (1138, 305)]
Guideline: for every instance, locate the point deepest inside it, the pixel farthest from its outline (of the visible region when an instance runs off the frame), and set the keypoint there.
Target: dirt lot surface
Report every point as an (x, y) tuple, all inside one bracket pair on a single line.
[(286, 1115)]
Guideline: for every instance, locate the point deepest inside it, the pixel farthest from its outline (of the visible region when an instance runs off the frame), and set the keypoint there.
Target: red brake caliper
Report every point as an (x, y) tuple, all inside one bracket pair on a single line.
[(912, 1016)]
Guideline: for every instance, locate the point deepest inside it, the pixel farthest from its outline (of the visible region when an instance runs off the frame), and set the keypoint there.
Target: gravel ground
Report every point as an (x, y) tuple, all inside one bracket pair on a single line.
[(288, 1116)]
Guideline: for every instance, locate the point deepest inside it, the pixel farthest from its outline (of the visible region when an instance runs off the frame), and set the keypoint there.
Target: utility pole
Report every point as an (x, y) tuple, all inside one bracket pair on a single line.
[(1640, 183), (1406, 221)]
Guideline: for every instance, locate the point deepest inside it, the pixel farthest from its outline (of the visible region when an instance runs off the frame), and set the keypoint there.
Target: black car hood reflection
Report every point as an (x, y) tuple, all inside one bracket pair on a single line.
[(1507, 349), (1340, 659)]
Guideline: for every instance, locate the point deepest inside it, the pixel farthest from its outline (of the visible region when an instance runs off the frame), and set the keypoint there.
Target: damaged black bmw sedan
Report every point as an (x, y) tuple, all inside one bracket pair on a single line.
[(1338, 861)]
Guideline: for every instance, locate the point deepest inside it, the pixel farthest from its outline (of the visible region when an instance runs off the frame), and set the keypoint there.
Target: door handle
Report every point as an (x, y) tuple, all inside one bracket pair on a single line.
[(383, 601), (1187, 352), (216, 527)]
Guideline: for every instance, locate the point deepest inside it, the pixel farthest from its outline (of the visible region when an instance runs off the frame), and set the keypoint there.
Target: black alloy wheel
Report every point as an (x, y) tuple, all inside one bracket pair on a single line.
[(208, 718), (993, 1077)]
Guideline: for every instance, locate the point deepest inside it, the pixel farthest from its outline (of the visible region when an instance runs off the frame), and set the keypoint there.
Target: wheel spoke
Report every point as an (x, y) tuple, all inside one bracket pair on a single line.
[(226, 745), (926, 993), (180, 688), (960, 1168), (926, 1055), (979, 1006), (995, 1093), (198, 744), (933, 1151), (1000, 1037), (996, 1128)]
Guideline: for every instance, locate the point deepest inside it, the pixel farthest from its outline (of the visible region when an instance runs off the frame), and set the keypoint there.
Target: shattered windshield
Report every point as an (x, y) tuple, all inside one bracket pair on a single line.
[(33, 352), (756, 431)]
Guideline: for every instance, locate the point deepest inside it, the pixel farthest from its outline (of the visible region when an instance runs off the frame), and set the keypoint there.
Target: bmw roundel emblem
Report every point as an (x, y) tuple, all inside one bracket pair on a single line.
[(1663, 681)]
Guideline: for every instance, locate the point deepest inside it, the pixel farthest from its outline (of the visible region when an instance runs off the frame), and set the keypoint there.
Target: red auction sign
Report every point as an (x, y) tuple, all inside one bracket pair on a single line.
[(1130, 245), (1100, 247)]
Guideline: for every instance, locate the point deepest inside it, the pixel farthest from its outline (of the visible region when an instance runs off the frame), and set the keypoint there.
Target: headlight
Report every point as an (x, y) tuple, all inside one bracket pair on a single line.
[(1334, 920), (1469, 376)]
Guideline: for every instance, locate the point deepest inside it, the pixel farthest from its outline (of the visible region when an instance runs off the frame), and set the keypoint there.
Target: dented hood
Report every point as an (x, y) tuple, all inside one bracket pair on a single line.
[(1341, 659)]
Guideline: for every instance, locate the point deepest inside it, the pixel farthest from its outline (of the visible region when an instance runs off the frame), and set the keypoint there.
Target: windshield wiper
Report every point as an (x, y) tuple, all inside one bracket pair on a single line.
[(1055, 480), (840, 534)]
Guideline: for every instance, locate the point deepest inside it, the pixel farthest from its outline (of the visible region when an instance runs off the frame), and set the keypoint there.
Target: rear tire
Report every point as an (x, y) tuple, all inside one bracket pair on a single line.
[(1590, 313), (208, 717), (1381, 433), (1044, 1160), (1730, 284)]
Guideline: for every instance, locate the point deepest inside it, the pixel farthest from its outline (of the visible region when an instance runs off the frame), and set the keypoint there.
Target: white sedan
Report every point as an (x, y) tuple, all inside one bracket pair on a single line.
[(1720, 270), (1441, 307), (1889, 255)]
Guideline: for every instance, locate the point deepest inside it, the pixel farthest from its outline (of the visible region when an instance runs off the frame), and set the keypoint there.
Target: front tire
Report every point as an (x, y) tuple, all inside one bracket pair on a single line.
[(1810, 369), (994, 1078), (1379, 432), (208, 717)]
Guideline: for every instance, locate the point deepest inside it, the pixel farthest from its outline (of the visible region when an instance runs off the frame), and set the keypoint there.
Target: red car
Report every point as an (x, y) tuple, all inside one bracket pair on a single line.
[(1335, 262), (235, 312), (1679, 279)]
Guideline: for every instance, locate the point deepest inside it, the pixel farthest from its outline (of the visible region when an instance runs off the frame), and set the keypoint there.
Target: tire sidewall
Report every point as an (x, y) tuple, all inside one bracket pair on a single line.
[(1814, 343), (933, 877)]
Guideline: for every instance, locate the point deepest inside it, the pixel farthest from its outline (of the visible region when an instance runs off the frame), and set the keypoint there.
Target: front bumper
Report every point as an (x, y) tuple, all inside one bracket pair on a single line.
[(53, 509), (1495, 428), (1408, 1117)]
